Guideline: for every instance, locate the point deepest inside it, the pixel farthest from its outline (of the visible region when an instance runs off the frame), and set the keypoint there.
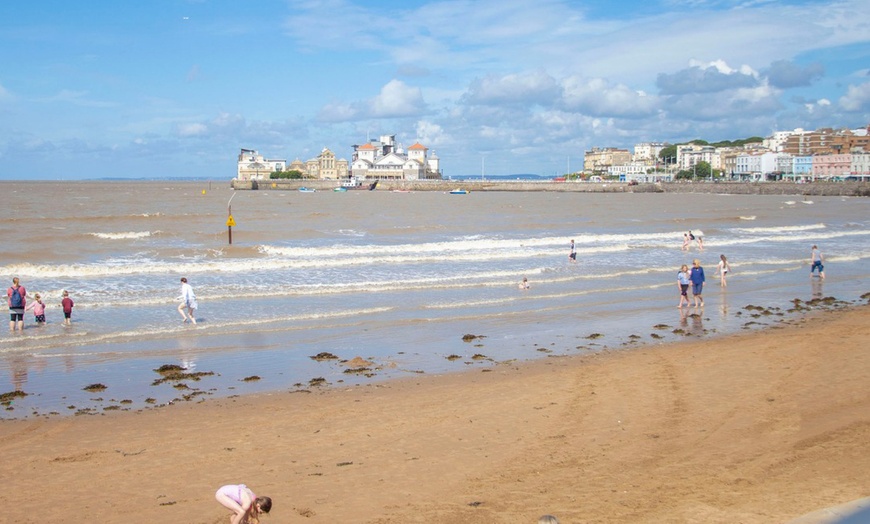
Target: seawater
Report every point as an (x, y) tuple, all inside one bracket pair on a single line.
[(395, 278)]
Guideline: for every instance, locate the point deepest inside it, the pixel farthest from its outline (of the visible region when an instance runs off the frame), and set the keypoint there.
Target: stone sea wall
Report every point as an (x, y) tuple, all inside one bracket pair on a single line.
[(741, 188)]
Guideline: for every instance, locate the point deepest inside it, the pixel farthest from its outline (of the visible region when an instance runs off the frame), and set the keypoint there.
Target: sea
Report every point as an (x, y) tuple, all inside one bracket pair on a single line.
[(344, 289)]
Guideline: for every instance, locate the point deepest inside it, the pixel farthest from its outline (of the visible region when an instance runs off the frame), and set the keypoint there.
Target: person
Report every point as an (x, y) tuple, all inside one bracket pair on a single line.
[(686, 241), (697, 278), (698, 235), (67, 305), (188, 301), (38, 307), (722, 269), (818, 262), (525, 283), (548, 519), (246, 506), (17, 302), (683, 285), (573, 254)]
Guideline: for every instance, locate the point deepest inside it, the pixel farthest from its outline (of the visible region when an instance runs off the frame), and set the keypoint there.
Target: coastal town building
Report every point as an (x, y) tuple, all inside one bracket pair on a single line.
[(326, 167), (254, 166), (648, 152), (598, 160), (384, 159)]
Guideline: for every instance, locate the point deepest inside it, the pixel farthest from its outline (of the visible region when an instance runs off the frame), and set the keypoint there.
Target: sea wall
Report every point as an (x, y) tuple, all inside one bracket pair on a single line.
[(741, 188)]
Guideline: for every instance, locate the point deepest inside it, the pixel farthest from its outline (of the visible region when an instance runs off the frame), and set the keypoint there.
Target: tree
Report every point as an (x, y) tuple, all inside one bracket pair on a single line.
[(668, 155)]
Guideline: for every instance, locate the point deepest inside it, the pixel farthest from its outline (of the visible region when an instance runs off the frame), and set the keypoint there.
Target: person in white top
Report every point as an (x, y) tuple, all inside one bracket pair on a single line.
[(722, 270), (188, 302)]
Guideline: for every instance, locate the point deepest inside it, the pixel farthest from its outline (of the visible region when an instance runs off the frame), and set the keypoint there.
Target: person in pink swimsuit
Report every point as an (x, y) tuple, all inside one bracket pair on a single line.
[(246, 506), (38, 307)]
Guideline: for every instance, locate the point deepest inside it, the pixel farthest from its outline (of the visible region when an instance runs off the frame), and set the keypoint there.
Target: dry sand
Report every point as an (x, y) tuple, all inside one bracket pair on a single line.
[(760, 427)]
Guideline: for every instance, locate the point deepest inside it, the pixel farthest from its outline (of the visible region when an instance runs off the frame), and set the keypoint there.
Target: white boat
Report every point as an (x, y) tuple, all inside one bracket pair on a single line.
[(304, 189), (459, 191), (340, 189)]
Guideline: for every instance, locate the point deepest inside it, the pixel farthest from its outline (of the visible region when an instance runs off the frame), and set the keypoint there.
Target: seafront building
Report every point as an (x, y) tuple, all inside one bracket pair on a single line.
[(798, 155), (384, 159), (253, 166), (381, 159)]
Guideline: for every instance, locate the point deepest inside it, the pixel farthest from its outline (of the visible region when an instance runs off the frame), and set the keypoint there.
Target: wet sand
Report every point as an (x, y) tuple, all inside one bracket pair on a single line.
[(757, 427)]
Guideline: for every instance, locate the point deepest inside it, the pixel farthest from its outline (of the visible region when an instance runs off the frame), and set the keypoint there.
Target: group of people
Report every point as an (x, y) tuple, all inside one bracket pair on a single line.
[(695, 276), (697, 236), (17, 301)]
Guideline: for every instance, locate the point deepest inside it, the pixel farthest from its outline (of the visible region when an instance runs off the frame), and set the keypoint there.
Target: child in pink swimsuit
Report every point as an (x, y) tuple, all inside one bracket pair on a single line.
[(38, 307), (245, 505)]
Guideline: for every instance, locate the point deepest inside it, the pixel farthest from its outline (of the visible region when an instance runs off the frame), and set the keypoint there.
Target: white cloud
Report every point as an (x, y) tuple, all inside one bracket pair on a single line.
[(5, 95), (857, 98), (598, 97), (526, 88), (192, 129), (397, 99)]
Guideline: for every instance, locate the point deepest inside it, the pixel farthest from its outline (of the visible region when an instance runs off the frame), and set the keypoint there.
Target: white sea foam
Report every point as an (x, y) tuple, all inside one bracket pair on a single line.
[(124, 236)]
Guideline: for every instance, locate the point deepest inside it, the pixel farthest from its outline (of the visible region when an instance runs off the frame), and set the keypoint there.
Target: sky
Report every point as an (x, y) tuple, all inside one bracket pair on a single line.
[(175, 88)]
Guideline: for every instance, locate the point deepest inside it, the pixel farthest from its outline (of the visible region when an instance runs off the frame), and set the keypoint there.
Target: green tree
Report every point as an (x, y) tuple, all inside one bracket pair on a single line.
[(668, 155)]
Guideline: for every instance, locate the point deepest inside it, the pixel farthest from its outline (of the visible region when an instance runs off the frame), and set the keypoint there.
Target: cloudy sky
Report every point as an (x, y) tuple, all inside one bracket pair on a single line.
[(168, 88)]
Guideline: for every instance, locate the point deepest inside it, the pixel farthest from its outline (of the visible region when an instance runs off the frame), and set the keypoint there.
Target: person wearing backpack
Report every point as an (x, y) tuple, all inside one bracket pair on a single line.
[(17, 302)]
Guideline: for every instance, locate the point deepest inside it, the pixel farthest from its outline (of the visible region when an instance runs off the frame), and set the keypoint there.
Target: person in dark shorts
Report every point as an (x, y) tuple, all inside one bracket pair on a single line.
[(17, 303), (67, 304), (573, 254)]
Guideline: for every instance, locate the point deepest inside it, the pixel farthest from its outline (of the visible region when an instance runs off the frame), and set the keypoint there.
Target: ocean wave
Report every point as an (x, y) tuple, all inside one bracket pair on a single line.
[(125, 235), (779, 229)]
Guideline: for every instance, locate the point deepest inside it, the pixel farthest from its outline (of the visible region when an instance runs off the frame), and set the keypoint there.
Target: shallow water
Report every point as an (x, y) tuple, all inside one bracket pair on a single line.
[(397, 278)]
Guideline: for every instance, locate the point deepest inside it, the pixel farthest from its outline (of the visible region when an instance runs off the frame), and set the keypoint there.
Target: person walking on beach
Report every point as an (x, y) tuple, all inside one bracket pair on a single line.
[(697, 278), (818, 262), (573, 254), (17, 301), (683, 285), (38, 307), (246, 506), (67, 304), (722, 269), (188, 302)]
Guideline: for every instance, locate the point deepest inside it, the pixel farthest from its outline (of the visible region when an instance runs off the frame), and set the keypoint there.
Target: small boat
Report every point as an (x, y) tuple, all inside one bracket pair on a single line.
[(458, 191), (304, 189), (340, 189)]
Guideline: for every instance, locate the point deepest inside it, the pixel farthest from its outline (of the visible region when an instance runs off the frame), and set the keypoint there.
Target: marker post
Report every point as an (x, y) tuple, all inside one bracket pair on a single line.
[(230, 221)]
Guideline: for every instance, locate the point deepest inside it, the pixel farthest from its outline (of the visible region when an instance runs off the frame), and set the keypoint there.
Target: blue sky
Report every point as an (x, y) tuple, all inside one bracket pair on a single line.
[(168, 88)]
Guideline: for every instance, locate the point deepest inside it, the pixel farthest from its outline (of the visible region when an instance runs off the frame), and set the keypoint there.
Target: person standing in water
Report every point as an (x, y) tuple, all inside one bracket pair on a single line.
[(722, 269), (818, 262), (67, 304), (17, 303), (573, 254), (683, 285), (188, 302), (696, 275)]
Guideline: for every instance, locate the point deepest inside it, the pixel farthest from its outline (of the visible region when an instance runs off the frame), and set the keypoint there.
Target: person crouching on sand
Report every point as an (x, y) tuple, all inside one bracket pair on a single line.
[(246, 506)]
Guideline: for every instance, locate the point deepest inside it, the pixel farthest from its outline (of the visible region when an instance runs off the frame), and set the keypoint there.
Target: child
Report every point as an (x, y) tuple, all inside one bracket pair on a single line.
[(683, 285), (723, 270), (38, 307), (67, 305), (246, 506), (525, 283)]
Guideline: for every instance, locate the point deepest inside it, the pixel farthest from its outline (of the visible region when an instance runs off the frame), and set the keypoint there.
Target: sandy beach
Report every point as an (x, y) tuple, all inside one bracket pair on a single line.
[(757, 427)]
